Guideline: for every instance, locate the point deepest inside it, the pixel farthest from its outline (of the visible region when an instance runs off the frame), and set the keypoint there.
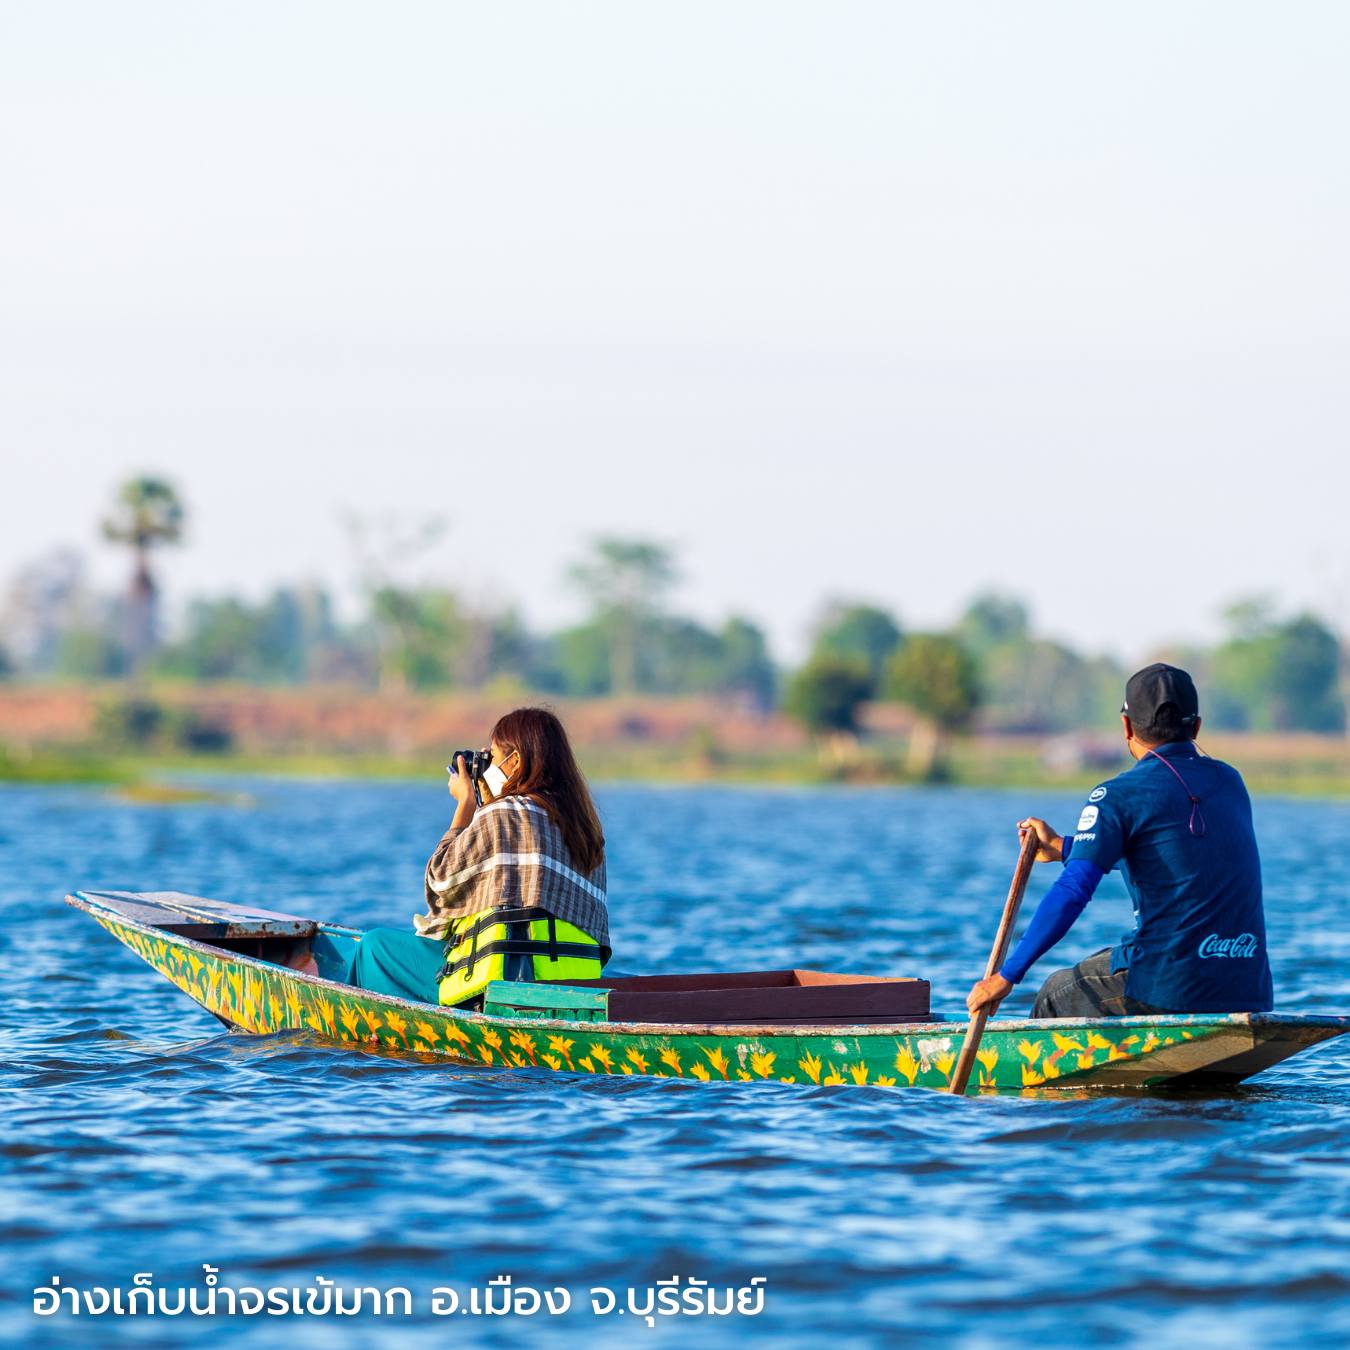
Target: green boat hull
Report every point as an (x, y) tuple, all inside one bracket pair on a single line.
[(262, 998)]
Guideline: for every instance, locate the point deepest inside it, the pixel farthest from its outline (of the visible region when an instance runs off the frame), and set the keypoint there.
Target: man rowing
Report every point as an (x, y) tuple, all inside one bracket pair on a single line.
[(1179, 826)]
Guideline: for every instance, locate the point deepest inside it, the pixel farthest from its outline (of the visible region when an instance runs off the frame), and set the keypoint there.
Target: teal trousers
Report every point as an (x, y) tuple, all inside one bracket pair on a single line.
[(395, 961)]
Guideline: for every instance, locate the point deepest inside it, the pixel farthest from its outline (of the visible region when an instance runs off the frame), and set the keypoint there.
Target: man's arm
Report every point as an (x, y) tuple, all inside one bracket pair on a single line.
[(1054, 916)]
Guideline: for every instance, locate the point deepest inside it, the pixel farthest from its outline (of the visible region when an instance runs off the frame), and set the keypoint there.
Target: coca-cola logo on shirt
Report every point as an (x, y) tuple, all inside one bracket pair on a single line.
[(1244, 944)]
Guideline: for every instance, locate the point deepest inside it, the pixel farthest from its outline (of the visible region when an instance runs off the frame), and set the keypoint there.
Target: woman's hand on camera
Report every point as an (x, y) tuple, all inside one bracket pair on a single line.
[(461, 785)]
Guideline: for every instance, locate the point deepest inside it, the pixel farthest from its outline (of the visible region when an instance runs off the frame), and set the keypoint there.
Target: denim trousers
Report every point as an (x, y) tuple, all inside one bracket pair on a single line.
[(1088, 989)]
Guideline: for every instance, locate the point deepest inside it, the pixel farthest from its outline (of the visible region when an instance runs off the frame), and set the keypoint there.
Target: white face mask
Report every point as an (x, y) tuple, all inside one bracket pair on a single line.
[(494, 780), (497, 778)]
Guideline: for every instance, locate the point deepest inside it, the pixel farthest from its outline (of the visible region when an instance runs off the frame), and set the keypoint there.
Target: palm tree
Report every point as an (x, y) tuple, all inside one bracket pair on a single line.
[(147, 513)]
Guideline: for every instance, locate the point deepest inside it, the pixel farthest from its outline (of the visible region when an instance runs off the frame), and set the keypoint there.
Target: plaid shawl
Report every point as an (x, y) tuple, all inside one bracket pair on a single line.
[(510, 853)]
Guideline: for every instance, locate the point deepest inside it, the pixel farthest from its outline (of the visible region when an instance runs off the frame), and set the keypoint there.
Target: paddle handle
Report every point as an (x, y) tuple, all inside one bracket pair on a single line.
[(1025, 861)]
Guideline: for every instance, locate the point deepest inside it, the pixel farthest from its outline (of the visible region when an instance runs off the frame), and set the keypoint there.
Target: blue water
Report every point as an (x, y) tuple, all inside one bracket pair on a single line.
[(140, 1137)]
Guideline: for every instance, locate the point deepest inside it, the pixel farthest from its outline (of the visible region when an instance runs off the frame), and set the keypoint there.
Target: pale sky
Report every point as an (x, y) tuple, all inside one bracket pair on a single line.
[(895, 301)]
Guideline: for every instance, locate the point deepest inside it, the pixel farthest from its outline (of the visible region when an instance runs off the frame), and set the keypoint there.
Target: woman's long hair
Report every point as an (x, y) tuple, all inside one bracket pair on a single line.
[(549, 773)]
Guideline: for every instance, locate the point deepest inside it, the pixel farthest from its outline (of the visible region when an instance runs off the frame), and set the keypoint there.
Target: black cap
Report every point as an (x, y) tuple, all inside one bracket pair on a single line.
[(1149, 690)]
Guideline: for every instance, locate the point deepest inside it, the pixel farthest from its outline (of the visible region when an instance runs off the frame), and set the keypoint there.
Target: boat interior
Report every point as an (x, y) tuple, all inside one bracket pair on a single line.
[(800, 997), (759, 997)]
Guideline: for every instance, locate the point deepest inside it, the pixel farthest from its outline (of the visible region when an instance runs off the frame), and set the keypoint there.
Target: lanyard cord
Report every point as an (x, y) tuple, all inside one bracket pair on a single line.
[(1196, 813)]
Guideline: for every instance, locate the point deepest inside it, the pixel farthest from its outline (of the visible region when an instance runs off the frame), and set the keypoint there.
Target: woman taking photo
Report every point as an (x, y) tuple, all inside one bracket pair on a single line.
[(515, 889)]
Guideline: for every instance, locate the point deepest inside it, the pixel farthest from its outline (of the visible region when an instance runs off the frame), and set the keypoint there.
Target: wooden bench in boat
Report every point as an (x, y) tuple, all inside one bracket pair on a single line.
[(744, 998)]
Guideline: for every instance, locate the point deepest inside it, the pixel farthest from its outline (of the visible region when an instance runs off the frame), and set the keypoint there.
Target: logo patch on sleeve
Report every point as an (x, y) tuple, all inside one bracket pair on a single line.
[(1096, 794), (1088, 819)]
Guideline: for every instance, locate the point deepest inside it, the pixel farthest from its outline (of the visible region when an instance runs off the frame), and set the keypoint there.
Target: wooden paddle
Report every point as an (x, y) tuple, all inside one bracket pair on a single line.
[(1025, 859)]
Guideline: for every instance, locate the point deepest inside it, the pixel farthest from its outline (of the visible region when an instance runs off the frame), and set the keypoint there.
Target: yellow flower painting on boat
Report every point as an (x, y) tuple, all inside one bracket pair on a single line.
[(261, 998)]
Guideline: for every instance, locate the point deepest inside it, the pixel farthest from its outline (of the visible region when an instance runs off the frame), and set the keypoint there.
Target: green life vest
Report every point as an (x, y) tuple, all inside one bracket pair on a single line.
[(514, 944)]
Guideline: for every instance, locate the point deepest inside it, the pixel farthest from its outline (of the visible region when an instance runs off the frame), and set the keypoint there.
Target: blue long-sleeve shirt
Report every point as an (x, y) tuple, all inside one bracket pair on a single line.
[(1055, 915), (1178, 825)]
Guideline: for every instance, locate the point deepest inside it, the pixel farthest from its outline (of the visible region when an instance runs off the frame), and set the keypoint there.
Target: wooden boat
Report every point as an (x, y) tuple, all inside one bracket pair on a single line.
[(264, 972)]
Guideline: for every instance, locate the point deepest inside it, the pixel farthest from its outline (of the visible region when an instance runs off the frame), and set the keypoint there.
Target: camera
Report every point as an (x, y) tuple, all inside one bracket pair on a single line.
[(476, 762)]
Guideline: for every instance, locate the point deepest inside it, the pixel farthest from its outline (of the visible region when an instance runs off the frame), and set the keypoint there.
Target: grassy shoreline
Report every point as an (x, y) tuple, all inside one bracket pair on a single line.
[(984, 763), (113, 736)]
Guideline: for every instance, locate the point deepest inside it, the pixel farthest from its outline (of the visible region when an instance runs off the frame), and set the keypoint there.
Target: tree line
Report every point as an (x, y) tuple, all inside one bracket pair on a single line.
[(1270, 672)]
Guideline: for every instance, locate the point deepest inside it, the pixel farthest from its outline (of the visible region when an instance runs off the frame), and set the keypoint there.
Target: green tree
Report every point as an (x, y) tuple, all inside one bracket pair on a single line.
[(423, 634), (577, 662), (1028, 683), (826, 694), (86, 653), (1277, 676), (935, 676), (993, 620), (407, 620), (679, 656), (44, 601), (745, 666), (1041, 686), (626, 582), (1252, 616), (859, 632), (146, 515), (231, 639), (509, 649), (676, 656)]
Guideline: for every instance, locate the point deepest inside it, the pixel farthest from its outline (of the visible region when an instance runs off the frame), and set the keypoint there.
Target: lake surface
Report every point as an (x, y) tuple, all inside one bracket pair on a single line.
[(139, 1137)]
